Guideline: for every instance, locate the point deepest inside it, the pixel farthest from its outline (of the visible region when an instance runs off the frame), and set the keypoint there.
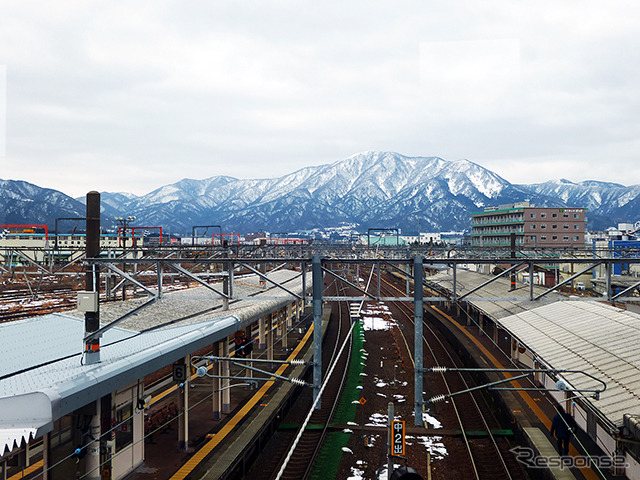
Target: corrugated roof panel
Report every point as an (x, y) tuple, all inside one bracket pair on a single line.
[(35, 341), (598, 339)]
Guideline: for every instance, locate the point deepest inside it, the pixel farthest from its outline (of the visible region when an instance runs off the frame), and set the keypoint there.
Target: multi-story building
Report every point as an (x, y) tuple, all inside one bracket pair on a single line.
[(533, 226)]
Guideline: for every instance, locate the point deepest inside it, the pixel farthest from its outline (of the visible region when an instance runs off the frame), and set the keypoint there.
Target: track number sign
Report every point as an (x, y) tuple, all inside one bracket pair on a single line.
[(397, 443)]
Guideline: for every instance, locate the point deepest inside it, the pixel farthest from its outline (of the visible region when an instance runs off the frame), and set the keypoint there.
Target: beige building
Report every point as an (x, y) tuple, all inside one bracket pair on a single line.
[(533, 226)]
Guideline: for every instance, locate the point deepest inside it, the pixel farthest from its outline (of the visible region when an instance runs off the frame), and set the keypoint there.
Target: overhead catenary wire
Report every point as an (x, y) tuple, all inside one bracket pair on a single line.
[(308, 417), (594, 464)]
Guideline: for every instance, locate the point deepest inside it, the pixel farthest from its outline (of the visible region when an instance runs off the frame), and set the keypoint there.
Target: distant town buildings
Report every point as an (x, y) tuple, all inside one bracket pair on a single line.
[(533, 226)]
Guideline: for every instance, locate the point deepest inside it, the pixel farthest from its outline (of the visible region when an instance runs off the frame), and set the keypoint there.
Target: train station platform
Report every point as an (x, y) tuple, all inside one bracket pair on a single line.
[(226, 448), (94, 418), (529, 406)]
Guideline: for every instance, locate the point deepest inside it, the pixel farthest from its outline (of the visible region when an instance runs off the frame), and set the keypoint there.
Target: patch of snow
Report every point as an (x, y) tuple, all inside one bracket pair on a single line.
[(432, 444), (432, 421), (356, 474), (376, 323)]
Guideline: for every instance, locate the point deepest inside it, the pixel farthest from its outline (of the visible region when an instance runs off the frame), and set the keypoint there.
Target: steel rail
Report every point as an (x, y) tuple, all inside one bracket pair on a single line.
[(482, 417)]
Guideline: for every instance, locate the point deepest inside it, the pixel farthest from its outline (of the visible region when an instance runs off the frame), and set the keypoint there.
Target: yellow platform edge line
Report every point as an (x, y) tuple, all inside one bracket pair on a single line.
[(27, 471), (588, 473), (201, 454)]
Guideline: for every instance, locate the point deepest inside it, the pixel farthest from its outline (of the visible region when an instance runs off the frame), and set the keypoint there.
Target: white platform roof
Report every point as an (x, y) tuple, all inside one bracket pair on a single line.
[(592, 337), (495, 299), (43, 375)]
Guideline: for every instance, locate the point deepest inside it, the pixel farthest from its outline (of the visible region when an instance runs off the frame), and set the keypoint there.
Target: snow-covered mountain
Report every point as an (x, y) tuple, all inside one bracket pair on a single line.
[(372, 189), (25, 203)]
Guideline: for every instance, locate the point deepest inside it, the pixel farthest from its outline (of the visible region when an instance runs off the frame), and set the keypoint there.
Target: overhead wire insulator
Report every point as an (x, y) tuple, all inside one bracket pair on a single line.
[(439, 369), (201, 371), (437, 398), (296, 361), (297, 381)]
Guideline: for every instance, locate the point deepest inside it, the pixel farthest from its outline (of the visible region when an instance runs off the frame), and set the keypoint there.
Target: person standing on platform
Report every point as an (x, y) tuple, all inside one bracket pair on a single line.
[(562, 426)]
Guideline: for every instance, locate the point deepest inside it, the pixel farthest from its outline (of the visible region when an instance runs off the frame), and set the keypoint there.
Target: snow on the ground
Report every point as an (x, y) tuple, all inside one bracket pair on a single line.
[(432, 420), (376, 323), (356, 474), (432, 444)]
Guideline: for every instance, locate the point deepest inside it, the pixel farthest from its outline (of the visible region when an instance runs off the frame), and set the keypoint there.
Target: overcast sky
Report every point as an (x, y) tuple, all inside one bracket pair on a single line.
[(130, 96)]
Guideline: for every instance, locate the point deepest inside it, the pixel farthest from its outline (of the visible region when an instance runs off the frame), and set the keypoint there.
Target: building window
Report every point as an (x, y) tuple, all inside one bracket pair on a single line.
[(543, 226), (555, 237), (543, 215), (565, 226), (575, 215), (576, 226), (543, 237), (554, 215), (554, 226), (533, 215), (577, 238), (533, 227), (565, 215), (566, 238), (124, 430)]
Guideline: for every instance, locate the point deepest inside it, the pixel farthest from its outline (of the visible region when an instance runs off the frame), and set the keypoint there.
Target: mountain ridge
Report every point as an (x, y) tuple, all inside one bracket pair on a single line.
[(370, 189)]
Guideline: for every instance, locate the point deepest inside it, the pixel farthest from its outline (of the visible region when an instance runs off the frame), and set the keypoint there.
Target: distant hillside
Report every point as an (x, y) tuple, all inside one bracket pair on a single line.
[(371, 189)]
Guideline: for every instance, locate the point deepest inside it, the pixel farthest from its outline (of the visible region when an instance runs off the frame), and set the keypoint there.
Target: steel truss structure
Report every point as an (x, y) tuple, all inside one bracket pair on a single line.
[(331, 267)]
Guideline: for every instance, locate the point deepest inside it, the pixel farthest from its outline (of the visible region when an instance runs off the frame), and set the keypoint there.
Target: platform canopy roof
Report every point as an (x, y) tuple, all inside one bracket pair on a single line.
[(591, 337), (44, 375), (495, 299)]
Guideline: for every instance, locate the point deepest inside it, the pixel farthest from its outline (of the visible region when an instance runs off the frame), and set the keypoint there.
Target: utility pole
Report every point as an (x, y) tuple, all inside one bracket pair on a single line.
[(92, 277)]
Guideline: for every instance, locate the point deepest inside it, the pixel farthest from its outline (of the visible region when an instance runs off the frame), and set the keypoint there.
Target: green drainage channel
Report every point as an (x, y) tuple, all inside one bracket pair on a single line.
[(328, 460)]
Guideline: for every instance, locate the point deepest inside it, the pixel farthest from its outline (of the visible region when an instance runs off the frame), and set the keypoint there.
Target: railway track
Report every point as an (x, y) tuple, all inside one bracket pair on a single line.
[(302, 459), (489, 457), (19, 305)]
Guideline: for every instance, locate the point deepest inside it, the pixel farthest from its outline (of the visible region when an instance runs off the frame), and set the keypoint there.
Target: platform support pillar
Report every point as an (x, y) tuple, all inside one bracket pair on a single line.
[(285, 328), (261, 333), (226, 372), (183, 409), (317, 326), (418, 296), (46, 455), (480, 323), (217, 393), (468, 315), (271, 333), (92, 465), (495, 332)]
